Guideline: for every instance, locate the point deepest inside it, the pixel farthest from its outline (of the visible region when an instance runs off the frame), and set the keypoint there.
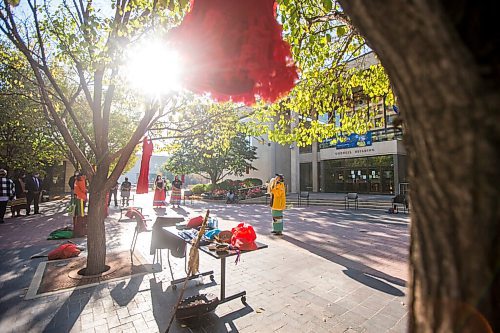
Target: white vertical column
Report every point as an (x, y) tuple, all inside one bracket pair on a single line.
[(295, 168), (315, 167), (294, 160)]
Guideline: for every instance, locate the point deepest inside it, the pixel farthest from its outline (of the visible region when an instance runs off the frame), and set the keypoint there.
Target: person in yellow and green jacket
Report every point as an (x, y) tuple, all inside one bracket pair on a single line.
[(278, 202)]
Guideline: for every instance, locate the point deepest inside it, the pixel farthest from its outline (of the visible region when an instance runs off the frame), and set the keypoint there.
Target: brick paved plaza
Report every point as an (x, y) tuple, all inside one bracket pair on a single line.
[(333, 271)]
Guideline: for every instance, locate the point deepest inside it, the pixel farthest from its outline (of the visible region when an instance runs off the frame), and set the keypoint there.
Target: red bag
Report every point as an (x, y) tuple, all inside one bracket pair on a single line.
[(244, 237), (64, 251), (195, 222)]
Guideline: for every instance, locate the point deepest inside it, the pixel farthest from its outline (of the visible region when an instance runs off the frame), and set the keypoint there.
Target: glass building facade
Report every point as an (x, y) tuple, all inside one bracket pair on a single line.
[(374, 174)]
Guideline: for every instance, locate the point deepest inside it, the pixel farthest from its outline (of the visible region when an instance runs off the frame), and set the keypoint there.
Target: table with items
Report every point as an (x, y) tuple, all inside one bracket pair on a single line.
[(220, 249)]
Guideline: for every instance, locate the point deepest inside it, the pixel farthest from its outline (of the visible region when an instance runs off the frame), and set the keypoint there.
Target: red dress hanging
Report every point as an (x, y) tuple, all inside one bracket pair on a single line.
[(147, 151), (234, 50)]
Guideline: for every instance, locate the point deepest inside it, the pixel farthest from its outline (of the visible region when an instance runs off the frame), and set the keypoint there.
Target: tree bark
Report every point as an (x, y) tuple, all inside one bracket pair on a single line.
[(444, 64), (96, 233)]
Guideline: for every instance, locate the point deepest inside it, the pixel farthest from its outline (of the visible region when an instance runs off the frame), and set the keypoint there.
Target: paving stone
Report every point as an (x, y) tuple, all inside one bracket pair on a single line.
[(94, 323), (101, 328), (152, 324), (130, 318), (121, 328), (122, 313), (113, 321)]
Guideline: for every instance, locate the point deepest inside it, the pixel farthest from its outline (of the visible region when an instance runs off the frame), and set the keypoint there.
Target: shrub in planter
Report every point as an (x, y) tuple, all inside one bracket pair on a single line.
[(255, 192), (198, 189), (252, 182)]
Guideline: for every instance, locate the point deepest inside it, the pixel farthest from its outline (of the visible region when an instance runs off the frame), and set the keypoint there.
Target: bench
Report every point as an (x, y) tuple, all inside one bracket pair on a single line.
[(303, 195), (351, 197), (400, 199)]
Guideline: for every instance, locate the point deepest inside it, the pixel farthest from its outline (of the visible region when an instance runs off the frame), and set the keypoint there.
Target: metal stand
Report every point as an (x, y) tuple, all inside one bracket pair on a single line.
[(223, 298), (174, 282)]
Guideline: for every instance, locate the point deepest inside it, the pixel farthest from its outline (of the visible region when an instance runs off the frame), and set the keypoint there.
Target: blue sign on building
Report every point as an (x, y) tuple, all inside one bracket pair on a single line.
[(356, 140)]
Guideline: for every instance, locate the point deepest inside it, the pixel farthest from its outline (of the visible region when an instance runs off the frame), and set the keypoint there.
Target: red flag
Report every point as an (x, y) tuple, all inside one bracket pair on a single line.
[(234, 50), (147, 151)]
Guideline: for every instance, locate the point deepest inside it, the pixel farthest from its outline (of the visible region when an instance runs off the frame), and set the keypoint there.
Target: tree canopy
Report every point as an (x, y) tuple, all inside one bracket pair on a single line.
[(27, 140), (334, 76), (216, 149)]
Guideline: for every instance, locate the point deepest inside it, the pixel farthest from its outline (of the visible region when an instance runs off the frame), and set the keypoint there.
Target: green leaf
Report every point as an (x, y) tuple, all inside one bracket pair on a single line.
[(341, 31), (327, 4)]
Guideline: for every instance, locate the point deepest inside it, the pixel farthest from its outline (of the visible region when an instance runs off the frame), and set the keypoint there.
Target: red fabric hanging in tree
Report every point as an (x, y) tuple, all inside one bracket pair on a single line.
[(234, 50), (147, 151)]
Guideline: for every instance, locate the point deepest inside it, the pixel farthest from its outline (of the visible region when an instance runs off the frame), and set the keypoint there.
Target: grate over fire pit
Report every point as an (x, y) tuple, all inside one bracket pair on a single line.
[(197, 306)]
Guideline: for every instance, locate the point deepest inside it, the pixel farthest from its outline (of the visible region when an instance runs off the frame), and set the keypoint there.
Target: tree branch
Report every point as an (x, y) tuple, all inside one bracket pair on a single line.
[(14, 36), (130, 146), (333, 16)]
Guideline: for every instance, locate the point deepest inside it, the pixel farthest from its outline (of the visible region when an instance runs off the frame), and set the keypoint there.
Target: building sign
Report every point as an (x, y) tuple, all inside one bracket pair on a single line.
[(354, 152), (356, 140), (352, 141), (376, 149)]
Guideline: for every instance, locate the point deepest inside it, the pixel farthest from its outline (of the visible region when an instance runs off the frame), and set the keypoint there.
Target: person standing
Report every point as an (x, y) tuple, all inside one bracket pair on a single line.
[(71, 183), (7, 192), (113, 192), (80, 195), (34, 190), (278, 199), (125, 191), (20, 201), (159, 198), (175, 197)]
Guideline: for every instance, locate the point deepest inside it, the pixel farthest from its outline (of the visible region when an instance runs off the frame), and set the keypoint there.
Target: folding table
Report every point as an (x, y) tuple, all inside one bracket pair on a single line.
[(222, 257)]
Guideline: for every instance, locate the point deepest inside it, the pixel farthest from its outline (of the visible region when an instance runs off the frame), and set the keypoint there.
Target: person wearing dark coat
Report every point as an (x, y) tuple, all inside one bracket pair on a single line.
[(33, 194), (71, 183), (20, 201)]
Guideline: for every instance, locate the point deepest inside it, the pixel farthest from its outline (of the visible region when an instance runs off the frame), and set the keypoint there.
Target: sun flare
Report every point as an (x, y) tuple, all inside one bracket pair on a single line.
[(153, 68)]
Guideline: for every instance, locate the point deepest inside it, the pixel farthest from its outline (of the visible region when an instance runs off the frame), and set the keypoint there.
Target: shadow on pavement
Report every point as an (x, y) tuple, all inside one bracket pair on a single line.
[(347, 263), (69, 312), (123, 294), (163, 305), (181, 211), (372, 282)]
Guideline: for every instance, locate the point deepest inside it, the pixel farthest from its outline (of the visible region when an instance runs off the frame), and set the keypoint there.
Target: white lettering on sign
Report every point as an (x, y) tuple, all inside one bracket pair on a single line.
[(378, 148), (354, 151)]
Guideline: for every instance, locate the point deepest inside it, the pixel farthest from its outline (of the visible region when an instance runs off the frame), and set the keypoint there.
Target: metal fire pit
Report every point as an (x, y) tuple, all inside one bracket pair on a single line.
[(197, 306)]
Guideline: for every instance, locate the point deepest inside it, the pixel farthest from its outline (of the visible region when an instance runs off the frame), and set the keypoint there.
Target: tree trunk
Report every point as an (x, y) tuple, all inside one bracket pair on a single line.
[(213, 179), (444, 64), (96, 233)]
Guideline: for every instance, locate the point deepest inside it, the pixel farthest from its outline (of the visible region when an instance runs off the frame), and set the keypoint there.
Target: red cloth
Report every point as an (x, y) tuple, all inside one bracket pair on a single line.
[(64, 251), (234, 50), (195, 222), (160, 197), (133, 213), (142, 182)]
